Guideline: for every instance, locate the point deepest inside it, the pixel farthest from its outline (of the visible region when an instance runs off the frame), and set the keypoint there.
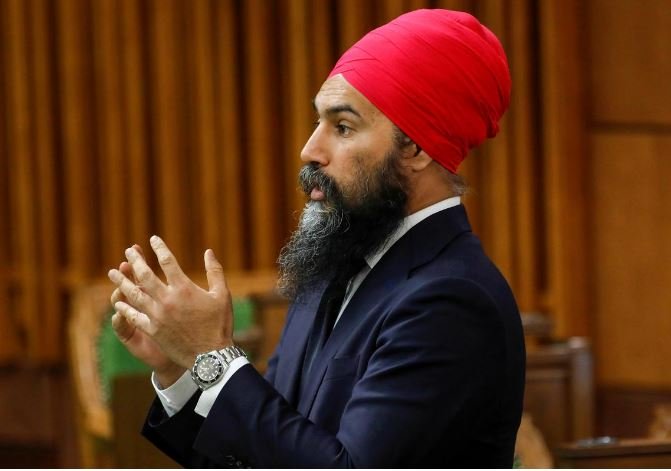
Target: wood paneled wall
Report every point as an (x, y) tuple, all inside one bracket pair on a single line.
[(185, 118), (629, 129)]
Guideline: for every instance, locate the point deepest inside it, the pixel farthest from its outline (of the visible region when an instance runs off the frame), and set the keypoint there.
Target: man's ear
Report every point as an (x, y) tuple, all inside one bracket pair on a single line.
[(415, 159)]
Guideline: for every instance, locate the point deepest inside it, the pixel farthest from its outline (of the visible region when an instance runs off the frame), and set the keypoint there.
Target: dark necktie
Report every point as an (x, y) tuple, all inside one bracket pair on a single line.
[(327, 313)]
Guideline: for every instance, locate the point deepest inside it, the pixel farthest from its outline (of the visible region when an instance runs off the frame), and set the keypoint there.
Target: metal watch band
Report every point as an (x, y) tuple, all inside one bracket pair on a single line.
[(231, 353)]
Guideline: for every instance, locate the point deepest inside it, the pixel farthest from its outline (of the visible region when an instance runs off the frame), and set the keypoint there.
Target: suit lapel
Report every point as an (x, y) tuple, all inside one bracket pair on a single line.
[(376, 286), (418, 246), (290, 364)]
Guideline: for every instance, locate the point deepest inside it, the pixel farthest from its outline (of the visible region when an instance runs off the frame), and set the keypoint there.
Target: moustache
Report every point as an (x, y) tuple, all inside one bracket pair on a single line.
[(310, 177)]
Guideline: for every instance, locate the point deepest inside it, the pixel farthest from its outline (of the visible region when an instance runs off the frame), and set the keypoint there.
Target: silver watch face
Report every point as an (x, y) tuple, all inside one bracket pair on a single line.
[(209, 368)]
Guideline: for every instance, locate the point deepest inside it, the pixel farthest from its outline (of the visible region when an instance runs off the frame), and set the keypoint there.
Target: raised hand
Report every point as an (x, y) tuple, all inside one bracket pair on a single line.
[(137, 342), (182, 318)]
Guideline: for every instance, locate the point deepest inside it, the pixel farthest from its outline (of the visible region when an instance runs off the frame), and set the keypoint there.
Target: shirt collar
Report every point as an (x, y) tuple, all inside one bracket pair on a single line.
[(407, 223)]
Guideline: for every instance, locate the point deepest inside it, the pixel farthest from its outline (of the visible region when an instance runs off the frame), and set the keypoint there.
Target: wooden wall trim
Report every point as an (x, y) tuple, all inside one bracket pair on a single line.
[(48, 186), (200, 67), (135, 86), (498, 168), (299, 93), (524, 148), (262, 108), (229, 136), (77, 135), (171, 125), (22, 166), (110, 140), (9, 323), (564, 169)]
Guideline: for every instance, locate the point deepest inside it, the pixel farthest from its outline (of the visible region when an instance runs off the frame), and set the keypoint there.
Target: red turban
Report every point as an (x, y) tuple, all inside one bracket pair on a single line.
[(439, 75)]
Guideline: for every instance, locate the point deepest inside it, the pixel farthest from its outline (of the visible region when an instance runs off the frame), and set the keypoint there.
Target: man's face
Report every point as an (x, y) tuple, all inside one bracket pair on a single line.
[(355, 187), (351, 137)]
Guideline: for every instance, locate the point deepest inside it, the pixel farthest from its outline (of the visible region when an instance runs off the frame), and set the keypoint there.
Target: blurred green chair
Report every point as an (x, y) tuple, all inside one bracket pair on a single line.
[(98, 359), (115, 360)]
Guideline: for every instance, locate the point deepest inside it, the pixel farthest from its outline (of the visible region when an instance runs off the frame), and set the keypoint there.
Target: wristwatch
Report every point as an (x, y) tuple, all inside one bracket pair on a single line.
[(210, 367)]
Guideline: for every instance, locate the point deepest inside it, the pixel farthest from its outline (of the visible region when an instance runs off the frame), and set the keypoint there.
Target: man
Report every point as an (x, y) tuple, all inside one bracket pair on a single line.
[(403, 345)]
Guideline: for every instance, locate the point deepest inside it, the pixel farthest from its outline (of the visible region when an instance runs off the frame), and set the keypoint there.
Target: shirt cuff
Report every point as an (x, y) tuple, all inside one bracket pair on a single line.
[(175, 396), (206, 400)]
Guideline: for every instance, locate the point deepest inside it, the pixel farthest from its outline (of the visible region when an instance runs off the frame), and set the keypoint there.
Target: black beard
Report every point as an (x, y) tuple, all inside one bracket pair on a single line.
[(348, 225)]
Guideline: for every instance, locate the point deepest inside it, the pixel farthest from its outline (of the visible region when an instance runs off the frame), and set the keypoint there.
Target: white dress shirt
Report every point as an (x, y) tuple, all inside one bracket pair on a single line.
[(174, 397)]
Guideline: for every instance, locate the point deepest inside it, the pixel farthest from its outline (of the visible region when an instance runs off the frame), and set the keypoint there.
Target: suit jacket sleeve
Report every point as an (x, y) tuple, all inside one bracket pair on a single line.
[(436, 351)]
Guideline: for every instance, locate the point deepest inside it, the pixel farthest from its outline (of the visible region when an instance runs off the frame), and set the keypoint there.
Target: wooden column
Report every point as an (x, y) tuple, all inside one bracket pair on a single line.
[(262, 143), (78, 149), (169, 123), (9, 314), (564, 158), (524, 150), (497, 168), (229, 130), (49, 186), (206, 155), (298, 96), (23, 227), (110, 142), (137, 185)]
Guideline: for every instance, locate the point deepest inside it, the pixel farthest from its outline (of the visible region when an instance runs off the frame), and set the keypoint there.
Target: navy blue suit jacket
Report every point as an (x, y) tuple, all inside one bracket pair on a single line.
[(425, 368)]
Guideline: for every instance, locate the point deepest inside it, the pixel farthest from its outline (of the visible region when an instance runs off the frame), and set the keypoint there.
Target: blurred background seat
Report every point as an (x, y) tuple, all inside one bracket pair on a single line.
[(559, 392), (113, 389)]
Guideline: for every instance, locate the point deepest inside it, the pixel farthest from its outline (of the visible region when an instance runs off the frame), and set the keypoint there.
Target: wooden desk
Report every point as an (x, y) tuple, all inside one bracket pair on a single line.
[(559, 392), (626, 453)]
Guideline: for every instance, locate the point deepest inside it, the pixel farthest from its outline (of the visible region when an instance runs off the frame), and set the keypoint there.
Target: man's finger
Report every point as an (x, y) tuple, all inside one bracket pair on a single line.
[(136, 318), (132, 292), (173, 273), (122, 328), (139, 250), (215, 273), (127, 270), (116, 296), (144, 276)]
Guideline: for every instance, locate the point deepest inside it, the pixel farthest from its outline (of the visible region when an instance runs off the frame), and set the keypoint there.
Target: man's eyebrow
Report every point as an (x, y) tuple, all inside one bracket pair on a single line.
[(335, 109)]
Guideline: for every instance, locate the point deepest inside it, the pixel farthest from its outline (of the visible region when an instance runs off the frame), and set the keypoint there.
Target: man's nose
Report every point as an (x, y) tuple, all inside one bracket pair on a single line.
[(313, 150)]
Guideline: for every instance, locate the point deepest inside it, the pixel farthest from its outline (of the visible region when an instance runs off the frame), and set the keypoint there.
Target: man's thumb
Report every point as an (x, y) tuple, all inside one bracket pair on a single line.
[(215, 273)]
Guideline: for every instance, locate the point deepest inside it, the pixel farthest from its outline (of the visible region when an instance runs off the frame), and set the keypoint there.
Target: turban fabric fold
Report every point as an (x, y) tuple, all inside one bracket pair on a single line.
[(439, 75)]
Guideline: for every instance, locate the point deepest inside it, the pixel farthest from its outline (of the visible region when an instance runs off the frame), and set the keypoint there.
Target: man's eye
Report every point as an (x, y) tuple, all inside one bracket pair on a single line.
[(315, 124), (343, 130)]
